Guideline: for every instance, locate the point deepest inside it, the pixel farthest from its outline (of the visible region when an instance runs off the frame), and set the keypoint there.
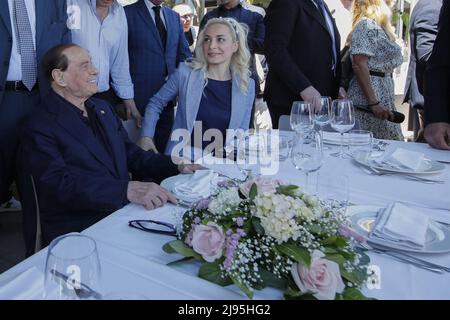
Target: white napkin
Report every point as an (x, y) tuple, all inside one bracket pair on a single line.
[(28, 285), (400, 158), (196, 187), (401, 225)]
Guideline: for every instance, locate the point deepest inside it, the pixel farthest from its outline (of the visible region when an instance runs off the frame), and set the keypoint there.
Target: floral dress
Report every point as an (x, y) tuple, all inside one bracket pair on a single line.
[(369, 39)]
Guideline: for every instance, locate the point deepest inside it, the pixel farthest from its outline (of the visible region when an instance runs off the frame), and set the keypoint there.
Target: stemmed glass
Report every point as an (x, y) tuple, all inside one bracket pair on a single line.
[(250, 148), (342, 120), (322, 113), (302, 117), (306, 156), (72, 268)]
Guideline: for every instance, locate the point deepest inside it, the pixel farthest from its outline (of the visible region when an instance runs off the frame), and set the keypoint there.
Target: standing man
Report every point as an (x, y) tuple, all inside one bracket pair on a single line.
[(103, 33), (437, 86), (156, 45), (302, 47), (423, 29), (255, 22), (28, 28)]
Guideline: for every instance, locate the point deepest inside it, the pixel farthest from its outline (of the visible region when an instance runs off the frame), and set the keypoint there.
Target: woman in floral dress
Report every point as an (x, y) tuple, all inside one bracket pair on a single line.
[(375, 55)]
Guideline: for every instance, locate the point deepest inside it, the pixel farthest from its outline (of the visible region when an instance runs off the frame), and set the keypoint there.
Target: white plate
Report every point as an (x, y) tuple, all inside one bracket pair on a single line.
[(170, 182), (426, 167), (363, 218)]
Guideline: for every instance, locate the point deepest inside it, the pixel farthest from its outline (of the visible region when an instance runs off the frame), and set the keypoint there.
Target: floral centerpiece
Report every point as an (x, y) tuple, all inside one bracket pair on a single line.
[(264, 233)]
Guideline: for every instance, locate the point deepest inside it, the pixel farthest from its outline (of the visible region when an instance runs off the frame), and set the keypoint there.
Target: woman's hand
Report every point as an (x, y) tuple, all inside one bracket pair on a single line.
[(380, 112), (146, 144)]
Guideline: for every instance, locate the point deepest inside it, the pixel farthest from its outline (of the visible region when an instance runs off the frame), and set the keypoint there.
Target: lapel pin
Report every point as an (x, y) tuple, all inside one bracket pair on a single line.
[(102, 111)]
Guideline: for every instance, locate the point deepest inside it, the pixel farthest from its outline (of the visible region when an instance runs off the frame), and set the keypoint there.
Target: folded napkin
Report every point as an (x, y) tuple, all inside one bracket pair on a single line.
[(400, 158), (28, 285), (401, 225), (196, 187)]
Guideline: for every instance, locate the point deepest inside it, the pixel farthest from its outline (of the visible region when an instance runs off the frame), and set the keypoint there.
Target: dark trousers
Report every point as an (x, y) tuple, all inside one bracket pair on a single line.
[(164, 127), (275, 114), (15, 106)]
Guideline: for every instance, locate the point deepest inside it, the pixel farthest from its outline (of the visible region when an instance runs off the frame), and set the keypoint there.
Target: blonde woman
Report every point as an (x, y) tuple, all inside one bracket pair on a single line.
[(214, 89), (375, 55)]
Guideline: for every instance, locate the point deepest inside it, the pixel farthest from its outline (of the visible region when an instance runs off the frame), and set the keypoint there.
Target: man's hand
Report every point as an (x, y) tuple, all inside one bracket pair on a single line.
[(149, 194), (133, 112), (146, 143), (438, 135), (189, 167), (309, 94)]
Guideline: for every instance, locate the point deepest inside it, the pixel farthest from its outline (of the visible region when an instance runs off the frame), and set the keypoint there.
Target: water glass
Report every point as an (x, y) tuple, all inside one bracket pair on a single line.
[(302, 117), (322, 113), (360, 144), (72, 268), (307, 156)]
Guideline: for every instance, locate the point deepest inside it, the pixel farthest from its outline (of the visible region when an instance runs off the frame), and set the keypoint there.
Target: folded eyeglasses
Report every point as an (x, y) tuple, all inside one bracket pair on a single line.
[(154, 226)]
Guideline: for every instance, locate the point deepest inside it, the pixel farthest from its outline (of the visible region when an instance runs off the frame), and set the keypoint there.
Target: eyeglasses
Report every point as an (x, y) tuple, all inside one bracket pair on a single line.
[(154, 226), (187, 16)]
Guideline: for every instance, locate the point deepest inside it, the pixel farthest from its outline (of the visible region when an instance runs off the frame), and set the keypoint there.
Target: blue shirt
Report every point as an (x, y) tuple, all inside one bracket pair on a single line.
[(214, 111), (107, 43)]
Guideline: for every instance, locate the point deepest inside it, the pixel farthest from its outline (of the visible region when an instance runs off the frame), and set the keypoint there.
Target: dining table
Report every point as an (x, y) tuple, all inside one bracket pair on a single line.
[(133, 261)]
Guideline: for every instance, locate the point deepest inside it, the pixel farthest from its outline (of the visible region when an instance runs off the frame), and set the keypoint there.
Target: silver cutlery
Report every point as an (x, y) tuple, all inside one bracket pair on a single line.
[(81, 290), (404, 257), (376, 172)]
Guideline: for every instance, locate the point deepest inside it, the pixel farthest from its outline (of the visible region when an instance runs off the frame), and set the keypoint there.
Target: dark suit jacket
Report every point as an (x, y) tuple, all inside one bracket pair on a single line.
[(51, 29), (423, 29), (78, 182), (437, 75), (150, 63), (253, 20), (298, 48)]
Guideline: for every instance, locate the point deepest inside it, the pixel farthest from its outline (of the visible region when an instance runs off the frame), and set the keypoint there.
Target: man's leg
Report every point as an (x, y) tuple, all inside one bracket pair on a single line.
[(164, 127)]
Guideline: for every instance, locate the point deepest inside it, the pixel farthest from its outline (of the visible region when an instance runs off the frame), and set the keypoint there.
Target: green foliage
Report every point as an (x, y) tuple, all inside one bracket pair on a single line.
[(212, 273), (295, 252), (179, 247)]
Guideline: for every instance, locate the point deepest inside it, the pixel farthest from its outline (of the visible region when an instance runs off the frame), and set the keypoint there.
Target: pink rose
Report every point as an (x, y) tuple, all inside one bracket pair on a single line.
[(264, 185), (208, 240), (322, 278)]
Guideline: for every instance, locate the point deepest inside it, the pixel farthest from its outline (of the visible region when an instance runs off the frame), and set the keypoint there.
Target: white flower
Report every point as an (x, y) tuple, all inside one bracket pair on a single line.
[(226, 199)]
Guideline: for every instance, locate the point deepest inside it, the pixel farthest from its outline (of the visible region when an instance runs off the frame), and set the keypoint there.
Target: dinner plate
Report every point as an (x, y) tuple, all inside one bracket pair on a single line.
[(363, 219), (169, 184), (426, 167)]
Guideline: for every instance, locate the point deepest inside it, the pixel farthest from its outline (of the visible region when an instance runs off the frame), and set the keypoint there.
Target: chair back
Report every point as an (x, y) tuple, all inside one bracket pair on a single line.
[(38, 241), (284, 123)]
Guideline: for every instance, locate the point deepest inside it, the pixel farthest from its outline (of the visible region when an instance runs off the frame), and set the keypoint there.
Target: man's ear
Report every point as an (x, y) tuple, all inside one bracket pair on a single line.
[(58, 77)]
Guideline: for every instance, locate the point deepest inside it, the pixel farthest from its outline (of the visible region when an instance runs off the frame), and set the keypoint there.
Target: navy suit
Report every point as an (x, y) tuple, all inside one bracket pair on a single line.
[(150, 63), (51, 30), (78, 181)]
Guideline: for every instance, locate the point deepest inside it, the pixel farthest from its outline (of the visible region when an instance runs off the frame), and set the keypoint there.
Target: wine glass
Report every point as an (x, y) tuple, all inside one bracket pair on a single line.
[(302, 117), (322, 113), (250, 148), (342, 120), (306, 156), (72, 268), (361, 142)]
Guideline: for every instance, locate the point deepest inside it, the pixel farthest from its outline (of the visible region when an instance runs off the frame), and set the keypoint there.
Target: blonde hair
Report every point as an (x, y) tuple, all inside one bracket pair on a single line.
[(376, 10), (240, 60)]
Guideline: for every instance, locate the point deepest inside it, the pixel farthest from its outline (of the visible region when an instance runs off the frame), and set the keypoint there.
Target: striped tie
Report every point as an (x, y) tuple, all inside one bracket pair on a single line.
[(25, 42)]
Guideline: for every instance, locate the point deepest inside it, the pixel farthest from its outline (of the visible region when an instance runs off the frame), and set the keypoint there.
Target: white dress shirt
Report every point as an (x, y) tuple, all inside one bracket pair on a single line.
[(329, 23), (15, 62), (107, 43), (150, 6)]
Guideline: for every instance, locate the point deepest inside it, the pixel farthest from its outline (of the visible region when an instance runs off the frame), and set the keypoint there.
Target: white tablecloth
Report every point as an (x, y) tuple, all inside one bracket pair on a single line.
[(133, 261)]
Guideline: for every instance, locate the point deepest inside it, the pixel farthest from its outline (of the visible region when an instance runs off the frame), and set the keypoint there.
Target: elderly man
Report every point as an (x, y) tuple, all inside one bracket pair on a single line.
[(186, 18), (79, 153)]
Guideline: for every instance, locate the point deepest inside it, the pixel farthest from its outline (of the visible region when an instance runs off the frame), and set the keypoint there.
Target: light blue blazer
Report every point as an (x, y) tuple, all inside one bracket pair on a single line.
[(187, 84)]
